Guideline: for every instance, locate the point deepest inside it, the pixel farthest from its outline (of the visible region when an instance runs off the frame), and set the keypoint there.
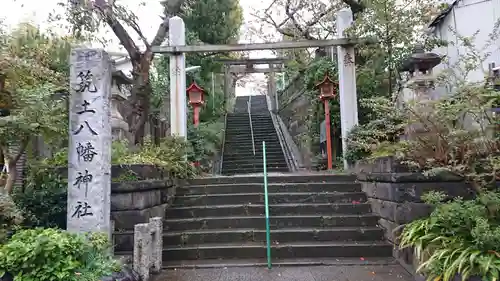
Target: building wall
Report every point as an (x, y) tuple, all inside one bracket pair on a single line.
[(466, 18)]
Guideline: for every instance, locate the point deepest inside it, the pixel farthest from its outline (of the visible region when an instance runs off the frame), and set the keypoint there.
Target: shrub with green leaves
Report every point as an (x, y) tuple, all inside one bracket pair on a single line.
[(10, 216), (43, 199), (459, 237), (377, 137), (56, 255)]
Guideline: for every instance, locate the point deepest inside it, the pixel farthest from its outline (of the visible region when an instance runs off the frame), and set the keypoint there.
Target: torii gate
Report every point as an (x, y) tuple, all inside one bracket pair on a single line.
[(345, 56), (248, 66)]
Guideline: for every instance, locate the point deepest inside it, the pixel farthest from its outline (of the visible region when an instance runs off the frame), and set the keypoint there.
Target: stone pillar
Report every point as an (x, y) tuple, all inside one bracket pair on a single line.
[(273, 94), (227, 87), (148, 247), (89, 156), (156, 225), (142, 250), (347, 80), (119, 127), (178, 103)]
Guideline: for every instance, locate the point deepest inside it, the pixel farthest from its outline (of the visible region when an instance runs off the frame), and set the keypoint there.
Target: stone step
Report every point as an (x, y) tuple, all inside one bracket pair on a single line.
[(286, 178), (255, 121), (244, 131), (275, 209), (251, 250), (248, 142), (248, 157), (124, 240), (244, 119), (276, 222), (238, 171), (262, 262), (241, 126), (242, 166), (246, 151), (272, 188), (274, 198), (248, 154), (258, 139), (284, 235)]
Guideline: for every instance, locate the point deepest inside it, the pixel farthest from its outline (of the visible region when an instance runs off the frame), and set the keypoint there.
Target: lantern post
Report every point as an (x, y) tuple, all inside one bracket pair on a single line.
[(196, 96), (327, 92)]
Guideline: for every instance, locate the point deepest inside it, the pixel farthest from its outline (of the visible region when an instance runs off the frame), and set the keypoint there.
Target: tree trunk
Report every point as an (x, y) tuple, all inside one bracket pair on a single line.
[(11, 176), (140, 97)]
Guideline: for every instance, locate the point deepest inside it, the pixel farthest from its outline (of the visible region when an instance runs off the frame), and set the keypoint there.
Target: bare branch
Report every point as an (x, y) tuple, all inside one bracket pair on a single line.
[(172, 7), (126, 41)]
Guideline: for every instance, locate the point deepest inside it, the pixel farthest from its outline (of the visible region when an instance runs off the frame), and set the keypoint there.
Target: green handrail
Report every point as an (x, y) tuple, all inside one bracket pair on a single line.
[(266, 205)]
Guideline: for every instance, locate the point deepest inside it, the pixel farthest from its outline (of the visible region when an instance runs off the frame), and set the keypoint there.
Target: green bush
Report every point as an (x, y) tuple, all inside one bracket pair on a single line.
[(459, 237), (376, 137), (170, 155), (10, 216), (56, 255), (43, 200)]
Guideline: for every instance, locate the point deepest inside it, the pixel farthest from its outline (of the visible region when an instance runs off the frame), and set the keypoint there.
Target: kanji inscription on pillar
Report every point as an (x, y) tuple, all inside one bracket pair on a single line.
[(89, 160)]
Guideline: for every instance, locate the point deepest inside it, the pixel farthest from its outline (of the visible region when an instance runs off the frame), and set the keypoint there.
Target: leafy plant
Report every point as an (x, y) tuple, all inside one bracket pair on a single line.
[(459, 237), (10, 216), (170, 155), (44, 198), (377, 137), (55, 255)]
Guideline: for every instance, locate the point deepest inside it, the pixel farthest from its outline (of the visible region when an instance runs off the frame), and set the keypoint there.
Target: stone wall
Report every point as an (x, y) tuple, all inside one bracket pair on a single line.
[(138, 193), (395, 195), (293, 111)]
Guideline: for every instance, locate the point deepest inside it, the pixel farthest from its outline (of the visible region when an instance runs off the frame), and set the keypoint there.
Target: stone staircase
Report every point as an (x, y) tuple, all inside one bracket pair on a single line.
[(315, 219), (238, 156)]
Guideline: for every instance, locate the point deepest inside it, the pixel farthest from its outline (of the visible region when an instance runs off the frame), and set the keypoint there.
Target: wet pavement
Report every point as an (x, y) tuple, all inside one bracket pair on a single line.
[(309, 273)]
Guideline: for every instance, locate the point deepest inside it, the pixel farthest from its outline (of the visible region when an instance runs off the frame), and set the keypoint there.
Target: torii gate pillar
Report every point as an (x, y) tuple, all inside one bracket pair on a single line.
[(178, 103), (347, 80)]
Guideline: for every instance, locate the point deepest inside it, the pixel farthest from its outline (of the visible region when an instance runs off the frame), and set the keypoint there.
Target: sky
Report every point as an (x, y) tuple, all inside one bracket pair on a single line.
[(37, 12)]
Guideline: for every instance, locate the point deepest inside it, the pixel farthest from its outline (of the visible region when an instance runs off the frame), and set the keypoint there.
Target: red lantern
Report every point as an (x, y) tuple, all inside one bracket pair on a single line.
[(327, 88), (328, 91), (196, 96)]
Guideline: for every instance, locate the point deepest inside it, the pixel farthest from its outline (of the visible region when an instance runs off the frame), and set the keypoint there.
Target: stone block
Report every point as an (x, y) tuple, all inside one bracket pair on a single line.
[(381, 165), (128, 219), (389, 230), (136, 172), (408, 177), (399, 213), (413, 191), (148, 245), (156, 225), (142, 250)]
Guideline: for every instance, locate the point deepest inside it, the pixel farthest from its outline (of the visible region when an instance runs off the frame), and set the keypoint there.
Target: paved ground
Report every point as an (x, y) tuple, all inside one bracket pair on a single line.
[(311, 273)]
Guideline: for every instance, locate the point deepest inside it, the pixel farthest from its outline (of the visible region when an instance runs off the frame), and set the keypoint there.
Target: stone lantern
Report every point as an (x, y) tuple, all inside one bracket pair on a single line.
[(421, 82), (119, 126), (420, 86), (196, 96)]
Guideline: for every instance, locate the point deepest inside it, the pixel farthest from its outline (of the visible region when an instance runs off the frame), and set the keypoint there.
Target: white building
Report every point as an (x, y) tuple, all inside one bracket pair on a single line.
[(465, 18)]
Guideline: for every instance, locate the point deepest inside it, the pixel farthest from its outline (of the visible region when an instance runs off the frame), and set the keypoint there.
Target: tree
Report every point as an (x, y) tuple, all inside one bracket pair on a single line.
[(34, 67), (396, 26), (89, 16)]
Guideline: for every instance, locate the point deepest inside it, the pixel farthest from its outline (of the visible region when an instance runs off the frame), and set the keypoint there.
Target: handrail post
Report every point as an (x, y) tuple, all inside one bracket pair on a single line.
[(223, 144), (266, 206), (251, 126)]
